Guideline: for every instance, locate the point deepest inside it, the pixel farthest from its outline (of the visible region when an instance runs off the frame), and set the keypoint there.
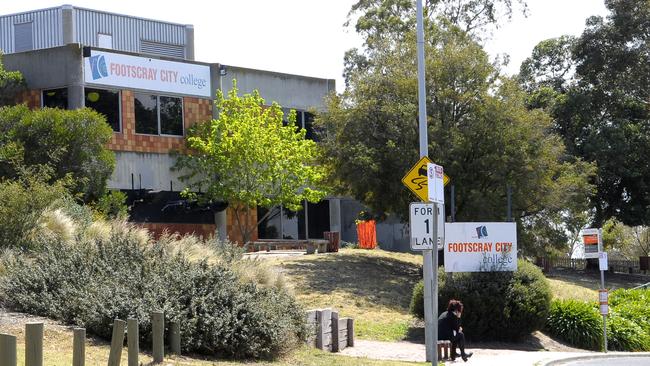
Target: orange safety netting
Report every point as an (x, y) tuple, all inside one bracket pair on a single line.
[(367, 234)]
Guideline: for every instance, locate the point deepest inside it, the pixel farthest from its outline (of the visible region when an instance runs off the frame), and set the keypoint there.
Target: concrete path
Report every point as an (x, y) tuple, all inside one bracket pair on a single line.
[(407, 351)]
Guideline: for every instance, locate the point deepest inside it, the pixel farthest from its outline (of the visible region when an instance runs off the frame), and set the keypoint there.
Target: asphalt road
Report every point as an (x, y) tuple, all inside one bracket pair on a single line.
[(614, 361)]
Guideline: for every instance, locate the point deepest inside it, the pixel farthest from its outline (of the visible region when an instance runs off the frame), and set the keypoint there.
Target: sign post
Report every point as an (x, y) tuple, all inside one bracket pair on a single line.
[(603, 294)]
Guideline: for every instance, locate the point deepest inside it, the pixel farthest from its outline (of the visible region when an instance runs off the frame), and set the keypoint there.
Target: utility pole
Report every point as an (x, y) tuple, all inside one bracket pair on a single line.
[(430, 260)]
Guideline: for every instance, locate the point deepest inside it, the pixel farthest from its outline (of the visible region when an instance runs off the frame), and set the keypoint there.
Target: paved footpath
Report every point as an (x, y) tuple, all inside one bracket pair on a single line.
[(407, 351)]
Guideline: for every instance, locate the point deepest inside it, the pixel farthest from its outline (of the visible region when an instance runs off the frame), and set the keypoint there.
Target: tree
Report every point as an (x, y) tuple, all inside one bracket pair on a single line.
[(479, 129), (383, 23), (249, 158), (602, 110), (71, 143), (11, 84)]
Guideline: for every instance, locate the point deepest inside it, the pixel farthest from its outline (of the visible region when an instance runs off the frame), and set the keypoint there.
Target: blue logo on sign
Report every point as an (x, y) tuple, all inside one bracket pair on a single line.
[(98, 67), (481, 231)]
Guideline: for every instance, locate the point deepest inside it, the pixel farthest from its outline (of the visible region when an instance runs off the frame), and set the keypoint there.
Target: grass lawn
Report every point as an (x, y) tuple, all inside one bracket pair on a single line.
[(372, 286), (58, 352)]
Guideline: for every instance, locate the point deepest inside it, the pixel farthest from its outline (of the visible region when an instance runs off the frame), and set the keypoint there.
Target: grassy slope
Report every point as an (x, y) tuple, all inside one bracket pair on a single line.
[(374, 287)]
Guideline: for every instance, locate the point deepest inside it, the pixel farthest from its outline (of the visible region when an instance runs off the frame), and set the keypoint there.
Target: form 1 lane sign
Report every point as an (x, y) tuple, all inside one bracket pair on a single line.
[(423, 220)]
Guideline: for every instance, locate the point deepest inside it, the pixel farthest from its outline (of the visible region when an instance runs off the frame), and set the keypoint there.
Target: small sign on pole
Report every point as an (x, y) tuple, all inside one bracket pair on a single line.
[(422, 218), (435, 182), (603, 300), (592, 239), (602, 261)]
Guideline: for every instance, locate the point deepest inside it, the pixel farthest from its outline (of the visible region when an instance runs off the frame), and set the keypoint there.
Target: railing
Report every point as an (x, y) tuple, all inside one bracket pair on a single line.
[(621, 266)]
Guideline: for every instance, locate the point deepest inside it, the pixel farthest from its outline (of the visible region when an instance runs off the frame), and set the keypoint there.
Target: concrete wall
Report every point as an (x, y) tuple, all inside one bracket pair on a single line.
[(48, 68), (150, 171), (291, 91)]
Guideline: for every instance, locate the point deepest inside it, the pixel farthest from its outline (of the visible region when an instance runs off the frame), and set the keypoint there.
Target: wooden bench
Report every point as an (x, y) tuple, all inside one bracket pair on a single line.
[(443, 346), (311, 245)]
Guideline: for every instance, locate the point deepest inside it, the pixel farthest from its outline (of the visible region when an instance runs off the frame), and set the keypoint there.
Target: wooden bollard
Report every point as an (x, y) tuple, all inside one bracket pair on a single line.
[(7, 350), (79, 347), (117, 342), (132, 339), (350, 332), (158, 336), (335, 331), (175, 338), (34, 344)]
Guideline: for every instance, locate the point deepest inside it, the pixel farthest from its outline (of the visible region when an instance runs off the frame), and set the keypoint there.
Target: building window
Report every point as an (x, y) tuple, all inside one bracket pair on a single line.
[(55, 98), (158, 115), (23, 37), (303, 120), (106, 102), (171, 116), (104, 40)]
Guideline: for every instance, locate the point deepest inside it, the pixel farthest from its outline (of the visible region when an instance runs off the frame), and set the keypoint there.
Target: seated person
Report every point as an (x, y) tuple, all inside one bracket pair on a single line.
[(449, 329)]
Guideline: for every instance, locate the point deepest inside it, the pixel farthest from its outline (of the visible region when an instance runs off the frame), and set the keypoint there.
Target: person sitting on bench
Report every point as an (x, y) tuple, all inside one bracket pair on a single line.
[(449, 329)]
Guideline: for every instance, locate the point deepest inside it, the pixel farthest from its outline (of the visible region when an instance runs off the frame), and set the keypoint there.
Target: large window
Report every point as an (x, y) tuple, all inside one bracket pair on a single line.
[(55, 98), (303, 120), (158, 115), (106, 102)]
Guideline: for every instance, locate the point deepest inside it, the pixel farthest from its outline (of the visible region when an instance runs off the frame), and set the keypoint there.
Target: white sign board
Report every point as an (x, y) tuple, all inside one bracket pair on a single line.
[(592, 240), (126, 71), (480, 246), (602, 261), (435, 182), (422, 219)]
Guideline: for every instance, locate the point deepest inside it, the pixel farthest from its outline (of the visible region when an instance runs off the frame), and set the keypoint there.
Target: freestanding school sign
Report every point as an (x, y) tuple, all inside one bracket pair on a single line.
[(480, 246)]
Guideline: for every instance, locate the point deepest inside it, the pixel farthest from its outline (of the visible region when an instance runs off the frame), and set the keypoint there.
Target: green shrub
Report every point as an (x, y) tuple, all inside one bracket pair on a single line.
[(626, 335), (632, 305), (120, 273), (22, 201), (577, 323), (112, 205), (417, 300), (514, 303)]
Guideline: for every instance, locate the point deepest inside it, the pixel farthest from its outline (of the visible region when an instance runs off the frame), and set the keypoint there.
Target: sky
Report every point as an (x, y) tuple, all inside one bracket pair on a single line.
[(308, 37)]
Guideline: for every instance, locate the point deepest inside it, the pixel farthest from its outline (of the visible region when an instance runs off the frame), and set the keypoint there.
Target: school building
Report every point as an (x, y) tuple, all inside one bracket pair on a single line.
[(141, 74)]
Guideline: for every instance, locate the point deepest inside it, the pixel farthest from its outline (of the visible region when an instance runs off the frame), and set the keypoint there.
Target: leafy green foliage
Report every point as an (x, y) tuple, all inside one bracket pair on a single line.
[(119, 273), (580, 324), (22, 201), (112, 205), (577, 323), (633, 305), (626, 335), (479, 129), (68, 142), (596, 87), (417, 300), (519, 299), (249, 157), (11, 84)]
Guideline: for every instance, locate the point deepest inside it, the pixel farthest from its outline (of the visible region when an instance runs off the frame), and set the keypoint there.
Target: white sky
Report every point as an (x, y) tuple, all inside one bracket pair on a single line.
[(307, 37)]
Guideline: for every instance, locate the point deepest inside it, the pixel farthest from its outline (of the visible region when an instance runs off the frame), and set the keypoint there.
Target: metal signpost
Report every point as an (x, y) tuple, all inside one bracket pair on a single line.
[(430, 260), (602, 293)]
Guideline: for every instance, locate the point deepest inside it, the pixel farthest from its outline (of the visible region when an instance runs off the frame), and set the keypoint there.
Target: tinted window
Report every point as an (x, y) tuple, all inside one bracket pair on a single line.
[(146, 113), (171, 116), (309, 126), (106, 102), (56, 98)]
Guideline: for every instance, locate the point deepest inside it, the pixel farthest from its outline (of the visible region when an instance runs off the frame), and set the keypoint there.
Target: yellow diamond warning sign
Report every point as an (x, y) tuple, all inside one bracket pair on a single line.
[(416, 179)]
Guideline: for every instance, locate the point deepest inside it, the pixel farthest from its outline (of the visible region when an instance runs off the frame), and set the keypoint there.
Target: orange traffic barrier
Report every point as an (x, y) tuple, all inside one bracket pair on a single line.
[(366, 232)]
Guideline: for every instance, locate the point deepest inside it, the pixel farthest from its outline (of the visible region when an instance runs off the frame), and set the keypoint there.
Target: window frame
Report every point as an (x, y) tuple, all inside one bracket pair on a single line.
[(119, 105), (158, 115), (67, 107)]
